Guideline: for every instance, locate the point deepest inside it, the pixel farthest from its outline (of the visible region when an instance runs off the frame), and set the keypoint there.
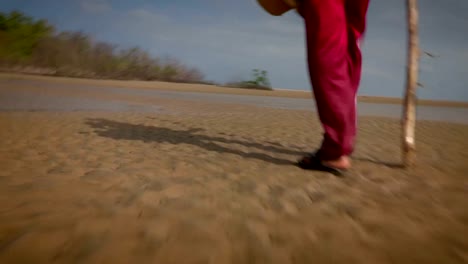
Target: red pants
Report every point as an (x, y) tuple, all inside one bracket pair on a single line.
[(333, 29)]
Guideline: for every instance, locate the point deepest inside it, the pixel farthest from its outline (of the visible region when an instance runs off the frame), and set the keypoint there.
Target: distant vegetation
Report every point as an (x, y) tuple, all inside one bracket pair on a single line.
[(259, 80), (34, 46)]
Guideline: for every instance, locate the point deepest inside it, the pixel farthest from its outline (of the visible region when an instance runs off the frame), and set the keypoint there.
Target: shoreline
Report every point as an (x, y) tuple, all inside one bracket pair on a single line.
[(204, 88)]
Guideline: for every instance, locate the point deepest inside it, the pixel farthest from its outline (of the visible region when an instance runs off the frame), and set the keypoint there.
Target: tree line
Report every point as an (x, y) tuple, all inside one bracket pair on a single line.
[(29, 43)]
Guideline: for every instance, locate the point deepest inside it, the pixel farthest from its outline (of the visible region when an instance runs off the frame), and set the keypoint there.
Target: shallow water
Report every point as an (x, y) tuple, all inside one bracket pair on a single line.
[(12, 100), (28, 102)]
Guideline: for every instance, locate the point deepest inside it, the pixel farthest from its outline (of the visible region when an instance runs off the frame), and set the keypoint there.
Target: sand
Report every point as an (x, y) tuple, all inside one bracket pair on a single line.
[(214, 183), (202, 88)]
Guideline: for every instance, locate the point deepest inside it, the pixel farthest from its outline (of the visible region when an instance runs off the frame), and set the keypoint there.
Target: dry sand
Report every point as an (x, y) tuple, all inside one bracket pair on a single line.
[(214, 183)]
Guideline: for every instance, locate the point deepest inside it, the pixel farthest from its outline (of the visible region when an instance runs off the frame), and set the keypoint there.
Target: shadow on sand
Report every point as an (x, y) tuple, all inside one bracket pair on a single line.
[(127, 131)]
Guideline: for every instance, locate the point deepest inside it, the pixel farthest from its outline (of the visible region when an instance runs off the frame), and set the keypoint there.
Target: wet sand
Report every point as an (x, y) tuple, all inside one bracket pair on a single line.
[(198, 182), (32, 93), (201, 88)]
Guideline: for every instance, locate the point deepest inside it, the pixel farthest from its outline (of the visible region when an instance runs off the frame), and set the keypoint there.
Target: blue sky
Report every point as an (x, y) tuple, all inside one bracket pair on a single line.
[(226, 39)]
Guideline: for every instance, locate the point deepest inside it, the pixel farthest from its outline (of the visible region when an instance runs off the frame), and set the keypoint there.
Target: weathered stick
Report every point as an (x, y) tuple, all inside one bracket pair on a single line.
[(412, 71)]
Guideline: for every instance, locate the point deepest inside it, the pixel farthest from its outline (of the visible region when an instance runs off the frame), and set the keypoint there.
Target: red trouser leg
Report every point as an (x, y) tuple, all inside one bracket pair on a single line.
[(332, 30)]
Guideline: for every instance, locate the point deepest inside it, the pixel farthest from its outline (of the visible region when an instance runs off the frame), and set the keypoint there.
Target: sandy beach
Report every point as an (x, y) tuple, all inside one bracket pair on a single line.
[(196, 182), (202, 88)]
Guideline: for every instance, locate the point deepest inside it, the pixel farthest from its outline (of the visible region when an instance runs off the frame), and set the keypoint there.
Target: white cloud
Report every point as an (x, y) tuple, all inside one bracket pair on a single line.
[(266, 37), (95, 6)]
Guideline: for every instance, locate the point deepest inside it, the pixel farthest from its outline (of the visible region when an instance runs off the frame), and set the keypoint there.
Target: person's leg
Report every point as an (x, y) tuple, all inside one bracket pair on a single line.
[(356, 11), (330, 74)]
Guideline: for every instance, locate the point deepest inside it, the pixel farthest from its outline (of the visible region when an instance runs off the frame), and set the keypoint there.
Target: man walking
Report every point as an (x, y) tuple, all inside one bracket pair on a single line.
[(333, 31)]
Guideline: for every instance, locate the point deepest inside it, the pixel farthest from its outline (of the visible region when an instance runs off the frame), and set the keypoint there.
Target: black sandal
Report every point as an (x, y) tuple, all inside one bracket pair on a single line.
[(312, 162)]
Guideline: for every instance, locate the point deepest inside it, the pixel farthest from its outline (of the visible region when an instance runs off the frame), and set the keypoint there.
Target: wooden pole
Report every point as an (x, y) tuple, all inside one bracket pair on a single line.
[(412, 71)]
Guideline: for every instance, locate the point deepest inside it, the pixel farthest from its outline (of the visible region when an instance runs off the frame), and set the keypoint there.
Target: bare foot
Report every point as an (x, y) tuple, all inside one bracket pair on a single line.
[(342, 163)]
